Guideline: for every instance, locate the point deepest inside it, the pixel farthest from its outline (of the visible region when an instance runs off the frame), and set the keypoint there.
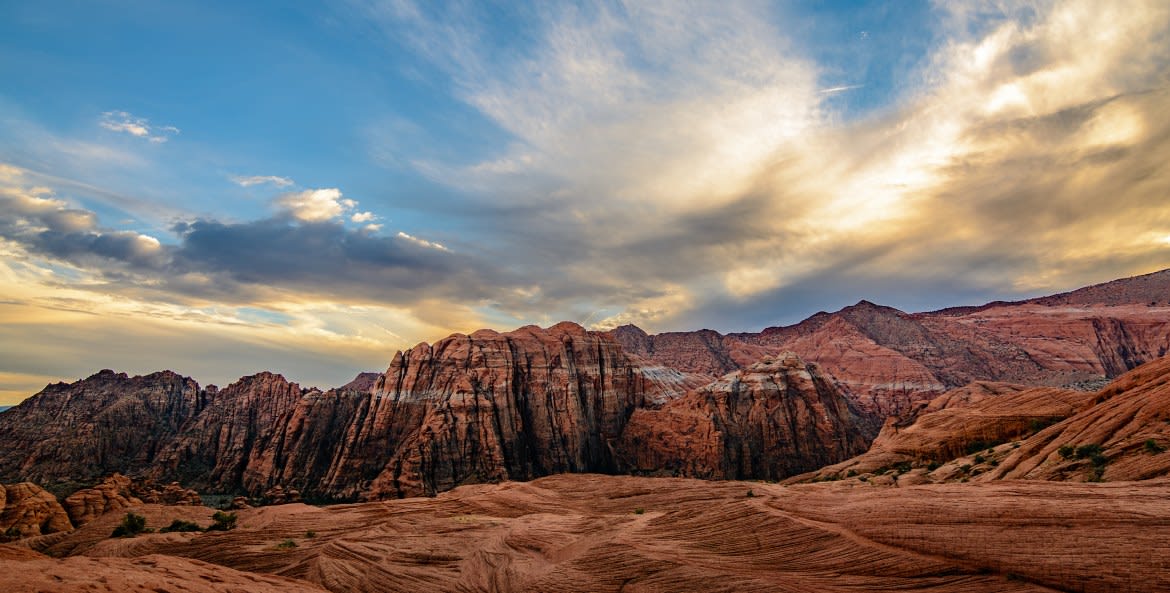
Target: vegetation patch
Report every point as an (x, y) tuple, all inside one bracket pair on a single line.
[(131, 526), (1153, 448), (223, 521), (180, 526)]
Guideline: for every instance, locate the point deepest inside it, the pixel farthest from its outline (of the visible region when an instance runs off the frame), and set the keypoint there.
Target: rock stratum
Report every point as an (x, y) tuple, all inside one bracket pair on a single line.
[(582, 532)]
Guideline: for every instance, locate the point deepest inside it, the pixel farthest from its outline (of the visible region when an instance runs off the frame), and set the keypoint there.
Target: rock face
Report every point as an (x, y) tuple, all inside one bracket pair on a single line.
[(95, 427), (27, 510), (223, 443), (491, 406), (777, 418)]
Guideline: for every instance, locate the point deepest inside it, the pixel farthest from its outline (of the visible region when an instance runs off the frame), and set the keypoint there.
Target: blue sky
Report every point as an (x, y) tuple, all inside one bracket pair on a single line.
[(311, 186)]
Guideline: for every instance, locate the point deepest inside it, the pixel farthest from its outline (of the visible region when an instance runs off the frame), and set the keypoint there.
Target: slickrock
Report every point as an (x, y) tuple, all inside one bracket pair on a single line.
[(104, 424), (777, 418), (958, 423), (27, 510), (146, 574), (599, 533), (1123, 435)]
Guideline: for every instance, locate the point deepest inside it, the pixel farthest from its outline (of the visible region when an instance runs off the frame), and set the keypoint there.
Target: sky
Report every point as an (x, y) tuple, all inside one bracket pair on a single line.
[(221, 188)]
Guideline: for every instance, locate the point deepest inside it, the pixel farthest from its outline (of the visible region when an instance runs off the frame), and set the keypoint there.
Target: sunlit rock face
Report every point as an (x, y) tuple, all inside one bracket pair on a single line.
[(776, 418)]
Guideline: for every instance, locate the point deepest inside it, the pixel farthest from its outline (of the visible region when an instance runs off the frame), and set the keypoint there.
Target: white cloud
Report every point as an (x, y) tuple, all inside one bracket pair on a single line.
[(249, 181), (125, 122), (315, 205), (362, 217)]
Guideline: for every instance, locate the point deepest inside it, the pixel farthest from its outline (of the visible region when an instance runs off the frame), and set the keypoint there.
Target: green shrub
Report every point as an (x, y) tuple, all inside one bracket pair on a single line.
[(979, 459), (639, 511), (180, 526), (131, 526), (933, 465), (1154, 448), (310, 534), (1066, 451), (287, 544), (223, 521), (751, 494), (965, 468), (851, 473), (13, 531)]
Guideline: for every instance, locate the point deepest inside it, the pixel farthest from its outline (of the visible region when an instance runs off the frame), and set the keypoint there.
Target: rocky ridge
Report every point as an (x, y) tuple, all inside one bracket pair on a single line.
[(888, 360)]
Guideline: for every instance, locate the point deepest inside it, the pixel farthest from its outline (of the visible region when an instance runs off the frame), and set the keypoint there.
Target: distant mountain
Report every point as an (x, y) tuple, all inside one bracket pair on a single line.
[(3, 408), (493, 406), (888, 360)]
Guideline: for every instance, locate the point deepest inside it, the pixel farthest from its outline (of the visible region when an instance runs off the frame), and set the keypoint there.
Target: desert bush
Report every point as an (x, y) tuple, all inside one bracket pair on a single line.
[(287, 544), (639, 511), (1066, 451), (131, 526), (1153, 448), (223, 521)]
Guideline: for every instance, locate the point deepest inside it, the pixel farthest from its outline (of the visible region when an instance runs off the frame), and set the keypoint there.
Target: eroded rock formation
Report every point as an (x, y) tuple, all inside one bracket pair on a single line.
[(28, 510), (777, 418)]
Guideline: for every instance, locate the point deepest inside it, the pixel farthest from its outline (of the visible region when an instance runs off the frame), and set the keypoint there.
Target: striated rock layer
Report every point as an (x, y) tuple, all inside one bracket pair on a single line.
[(593, 533)]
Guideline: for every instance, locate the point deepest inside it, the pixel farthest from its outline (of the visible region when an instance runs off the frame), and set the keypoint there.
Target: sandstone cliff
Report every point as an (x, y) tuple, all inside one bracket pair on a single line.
[(777, 418)]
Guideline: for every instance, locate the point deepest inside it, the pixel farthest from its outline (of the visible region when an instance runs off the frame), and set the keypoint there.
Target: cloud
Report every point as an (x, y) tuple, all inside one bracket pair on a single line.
[(675, 162), (122, 121), (314, 205), (249, 181)]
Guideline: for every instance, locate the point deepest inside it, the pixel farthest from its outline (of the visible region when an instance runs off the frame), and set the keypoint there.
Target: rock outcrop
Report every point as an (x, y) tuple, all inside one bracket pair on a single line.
[(777, 418), (28, 510), (111, 495), (118, 492)]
